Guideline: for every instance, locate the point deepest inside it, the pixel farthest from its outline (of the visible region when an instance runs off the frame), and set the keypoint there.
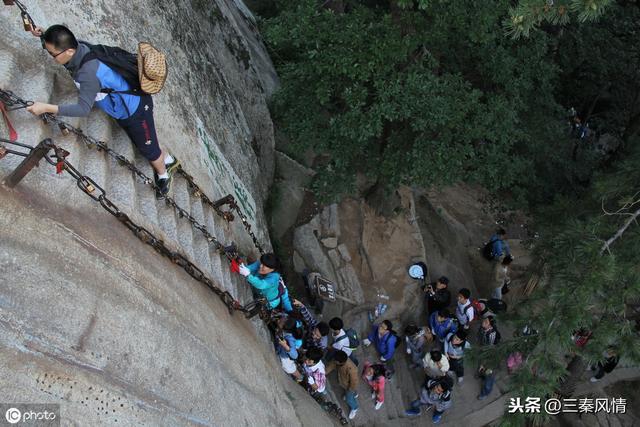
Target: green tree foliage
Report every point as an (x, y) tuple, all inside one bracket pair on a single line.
[(586, 283), (428, 92), (403, 96), (529, 15)]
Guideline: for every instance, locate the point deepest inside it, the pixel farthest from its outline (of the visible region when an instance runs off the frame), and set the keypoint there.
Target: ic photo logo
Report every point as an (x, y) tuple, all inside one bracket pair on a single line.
[(13, 415), (31, 414)]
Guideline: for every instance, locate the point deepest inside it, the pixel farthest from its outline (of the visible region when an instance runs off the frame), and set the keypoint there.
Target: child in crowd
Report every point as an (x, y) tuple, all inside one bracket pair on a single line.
[(374, 375)]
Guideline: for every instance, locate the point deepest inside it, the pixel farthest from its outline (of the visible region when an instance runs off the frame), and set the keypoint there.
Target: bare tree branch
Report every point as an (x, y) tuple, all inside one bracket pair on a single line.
[(626, 206), (620, 231)]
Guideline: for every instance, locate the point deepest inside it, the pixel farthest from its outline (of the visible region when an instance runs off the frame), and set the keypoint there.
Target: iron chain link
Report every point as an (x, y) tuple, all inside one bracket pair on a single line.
[(88, 186), (10, 98)]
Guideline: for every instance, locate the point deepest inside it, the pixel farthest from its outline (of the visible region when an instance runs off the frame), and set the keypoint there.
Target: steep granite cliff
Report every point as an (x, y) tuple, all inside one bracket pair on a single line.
[(93, 319)]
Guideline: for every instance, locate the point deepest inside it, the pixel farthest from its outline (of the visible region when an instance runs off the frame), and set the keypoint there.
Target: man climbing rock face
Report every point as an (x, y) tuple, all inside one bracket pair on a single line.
[(134, 113)]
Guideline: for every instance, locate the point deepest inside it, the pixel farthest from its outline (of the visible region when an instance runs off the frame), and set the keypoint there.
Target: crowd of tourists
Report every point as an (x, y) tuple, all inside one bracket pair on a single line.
[(309, 349)]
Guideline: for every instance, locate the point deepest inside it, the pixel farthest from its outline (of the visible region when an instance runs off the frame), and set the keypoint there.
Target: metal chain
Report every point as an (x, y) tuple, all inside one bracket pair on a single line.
[(98, 194), (11, 99)]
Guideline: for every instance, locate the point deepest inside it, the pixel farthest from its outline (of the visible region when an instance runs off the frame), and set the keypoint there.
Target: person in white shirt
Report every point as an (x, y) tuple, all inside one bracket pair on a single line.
[(340, 338), (435, 364), (464, 310), (314, 368)]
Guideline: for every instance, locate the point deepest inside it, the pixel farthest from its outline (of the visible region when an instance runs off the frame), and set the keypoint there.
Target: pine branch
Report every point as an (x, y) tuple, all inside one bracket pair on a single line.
[(528, 15)]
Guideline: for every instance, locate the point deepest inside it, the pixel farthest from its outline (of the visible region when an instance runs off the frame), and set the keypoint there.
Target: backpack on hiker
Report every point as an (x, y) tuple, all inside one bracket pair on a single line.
[(352, 336), (479, 309), (495, 305), (398, 340), (145, 72), (487, 249)]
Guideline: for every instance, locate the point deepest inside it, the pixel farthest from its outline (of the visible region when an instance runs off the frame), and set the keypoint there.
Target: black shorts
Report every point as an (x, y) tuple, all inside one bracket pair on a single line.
[(142, 129)]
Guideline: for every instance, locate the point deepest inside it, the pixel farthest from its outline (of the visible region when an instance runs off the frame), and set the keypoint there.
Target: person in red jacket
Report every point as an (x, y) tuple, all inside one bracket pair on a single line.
[(374, 375)]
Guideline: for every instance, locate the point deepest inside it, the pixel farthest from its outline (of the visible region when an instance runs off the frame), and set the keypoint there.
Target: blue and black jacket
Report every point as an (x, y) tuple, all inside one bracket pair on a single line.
[(90, 78)]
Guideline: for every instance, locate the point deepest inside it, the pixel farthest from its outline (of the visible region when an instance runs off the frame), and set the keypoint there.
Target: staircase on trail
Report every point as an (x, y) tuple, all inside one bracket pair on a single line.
[(128, 192)]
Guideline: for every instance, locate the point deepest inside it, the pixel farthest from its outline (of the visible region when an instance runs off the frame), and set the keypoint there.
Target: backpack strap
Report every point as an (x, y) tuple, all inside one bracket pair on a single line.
[(466, 309), (341, 337)]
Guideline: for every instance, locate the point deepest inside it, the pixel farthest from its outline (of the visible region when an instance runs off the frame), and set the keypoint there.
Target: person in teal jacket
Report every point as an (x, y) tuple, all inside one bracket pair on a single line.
[(263, 275)]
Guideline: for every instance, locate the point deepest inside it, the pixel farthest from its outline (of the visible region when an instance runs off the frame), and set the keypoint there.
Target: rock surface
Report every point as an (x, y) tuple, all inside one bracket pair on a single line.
[(288, 191), (92, 318)]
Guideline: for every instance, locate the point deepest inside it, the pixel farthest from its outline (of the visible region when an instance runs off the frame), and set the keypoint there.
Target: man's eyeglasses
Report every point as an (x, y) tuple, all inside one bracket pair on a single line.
[(51, 54), (57, 54)]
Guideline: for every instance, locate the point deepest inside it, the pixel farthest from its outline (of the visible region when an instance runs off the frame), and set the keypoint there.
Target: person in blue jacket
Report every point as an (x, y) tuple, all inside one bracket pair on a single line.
[(499, 245), (263, 275), (383, 339), (442, 324), (134, 113)]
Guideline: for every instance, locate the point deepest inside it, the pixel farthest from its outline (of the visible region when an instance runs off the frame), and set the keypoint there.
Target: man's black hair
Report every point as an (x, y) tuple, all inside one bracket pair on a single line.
[(411, 329), (446, 383), (389, 324), (60, 37), (340, 356), (323, 328), (501, 231), (444, 280), (436, 356), (461, 334), (336, 323), (444, 312), (466, 293), (315, 354)]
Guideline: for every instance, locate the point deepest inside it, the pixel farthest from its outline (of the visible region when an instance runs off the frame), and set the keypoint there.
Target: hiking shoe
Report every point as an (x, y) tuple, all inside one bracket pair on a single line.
[(379, 405), (436, 418), (353, 413), (481, 397), (173, 166), (412, 412), (460, 380), (594, 379), (162, 185)]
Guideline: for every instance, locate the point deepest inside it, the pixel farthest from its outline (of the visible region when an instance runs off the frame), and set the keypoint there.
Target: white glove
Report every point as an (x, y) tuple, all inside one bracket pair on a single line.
[(366, 342), (408, 351), (244, 270), (382, 359)]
